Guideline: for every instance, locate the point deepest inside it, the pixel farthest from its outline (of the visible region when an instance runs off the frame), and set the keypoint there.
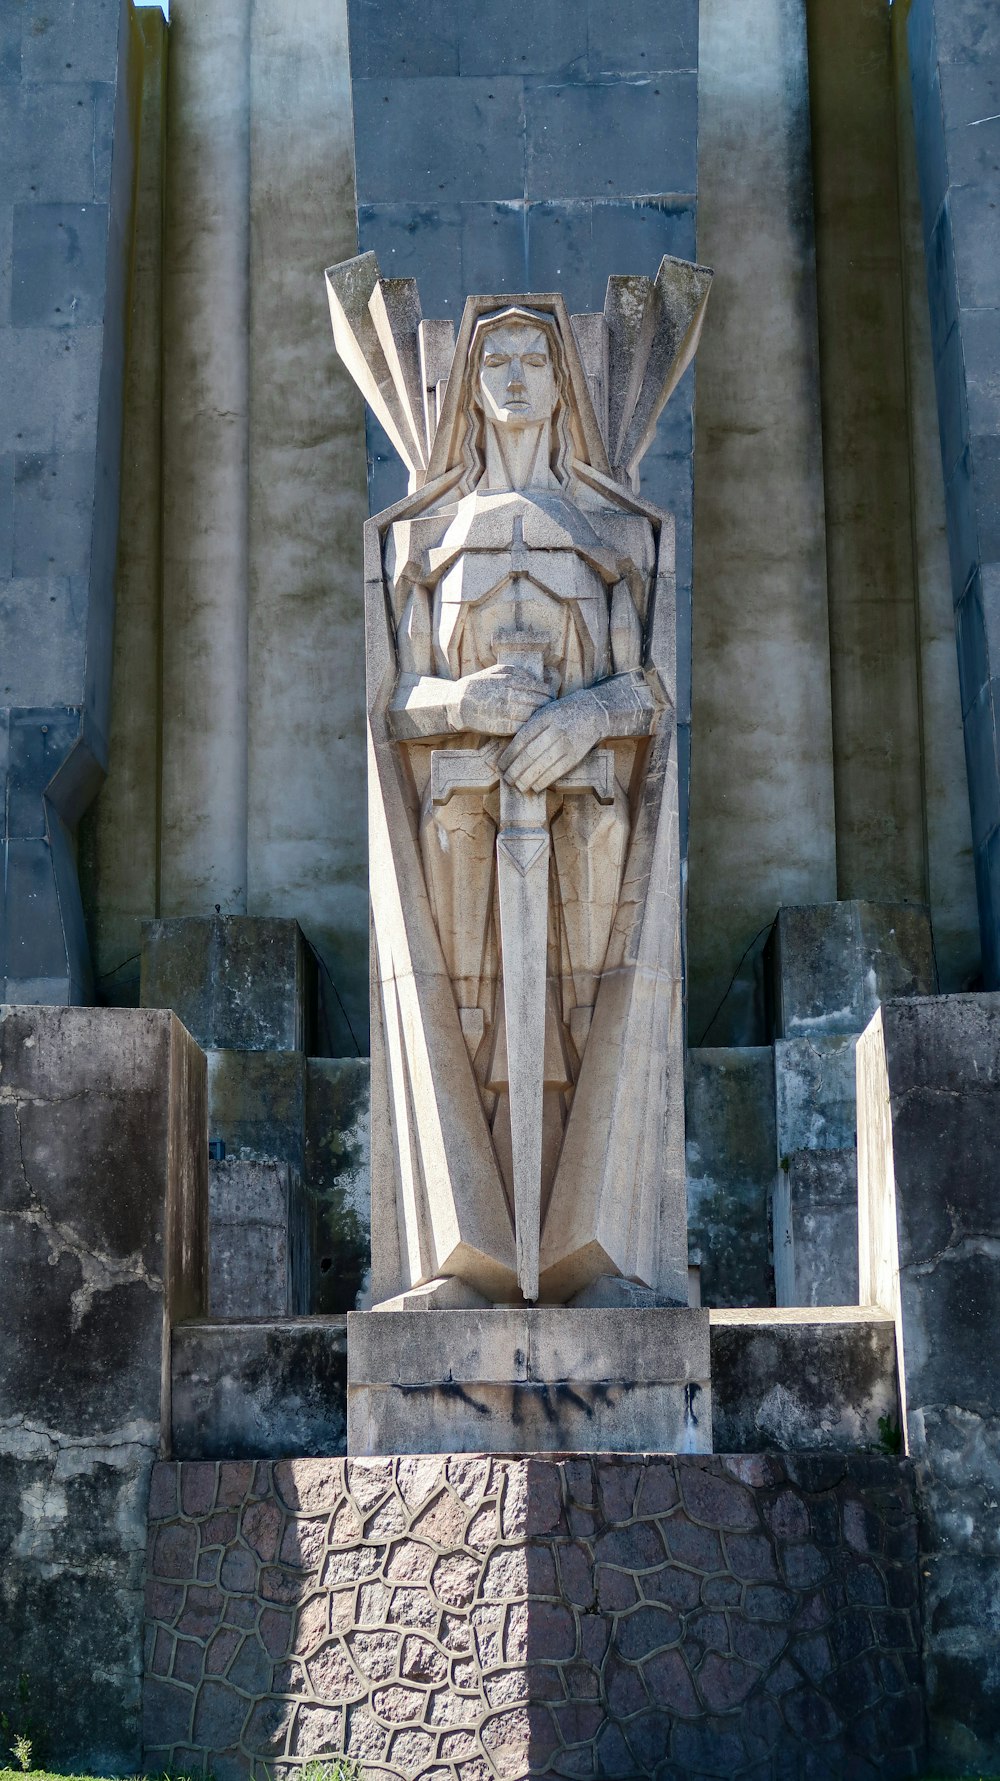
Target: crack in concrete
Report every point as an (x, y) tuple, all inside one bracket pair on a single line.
[(101, 1272)]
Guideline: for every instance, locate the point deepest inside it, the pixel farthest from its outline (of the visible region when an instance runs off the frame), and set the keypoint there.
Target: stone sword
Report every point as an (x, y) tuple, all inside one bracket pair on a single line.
[(523, 848)]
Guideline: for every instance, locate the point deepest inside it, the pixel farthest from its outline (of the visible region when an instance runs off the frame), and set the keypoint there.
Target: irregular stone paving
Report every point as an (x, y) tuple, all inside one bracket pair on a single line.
[(468, 1618)]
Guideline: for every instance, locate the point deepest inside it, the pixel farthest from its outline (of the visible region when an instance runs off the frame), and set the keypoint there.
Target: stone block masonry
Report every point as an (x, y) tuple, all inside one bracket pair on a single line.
[(103, 1167), (471, 1618)]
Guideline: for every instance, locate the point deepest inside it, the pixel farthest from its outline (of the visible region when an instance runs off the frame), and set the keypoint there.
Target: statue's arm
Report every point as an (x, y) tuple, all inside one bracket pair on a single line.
[(427, 707), (424, 706)]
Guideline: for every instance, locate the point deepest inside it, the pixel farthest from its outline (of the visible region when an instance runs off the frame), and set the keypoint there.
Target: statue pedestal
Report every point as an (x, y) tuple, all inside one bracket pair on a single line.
[(546, 1379)]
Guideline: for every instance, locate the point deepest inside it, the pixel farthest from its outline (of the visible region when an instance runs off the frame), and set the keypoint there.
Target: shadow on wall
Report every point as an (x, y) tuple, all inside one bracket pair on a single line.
[(418, 1609)]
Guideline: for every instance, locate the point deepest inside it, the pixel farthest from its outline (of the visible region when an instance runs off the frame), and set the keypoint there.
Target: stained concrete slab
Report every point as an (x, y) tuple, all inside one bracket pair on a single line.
[(103, 1226), (259, 1390), (731, 1162), (239, 983), (807, 1380), (815, 1226)]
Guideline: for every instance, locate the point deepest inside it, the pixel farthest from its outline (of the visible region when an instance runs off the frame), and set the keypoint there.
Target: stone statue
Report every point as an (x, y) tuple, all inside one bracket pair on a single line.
[(527, 1049)]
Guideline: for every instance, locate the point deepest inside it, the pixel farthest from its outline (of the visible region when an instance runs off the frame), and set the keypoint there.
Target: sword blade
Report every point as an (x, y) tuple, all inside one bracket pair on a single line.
[(523, 886)]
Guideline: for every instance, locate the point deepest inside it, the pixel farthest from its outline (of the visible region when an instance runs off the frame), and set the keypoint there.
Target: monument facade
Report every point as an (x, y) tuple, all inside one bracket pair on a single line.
[(526, 886)]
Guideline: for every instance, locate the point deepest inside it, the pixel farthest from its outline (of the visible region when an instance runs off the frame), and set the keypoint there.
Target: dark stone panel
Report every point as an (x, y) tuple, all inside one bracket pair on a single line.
[(437, 141), (59, 264), (6, 514), (630, 37), (10, 44), (39, 742), (981, 761), (574, 246), (76, 43), (975, 222), (257, 1103), (609, 137), (259, 1390), (53, 514), (974, 655), (35, 948), (963, 529), (50, 379), (422, 242), (384, 43), (47, 143), (942, 279), (953, 413)]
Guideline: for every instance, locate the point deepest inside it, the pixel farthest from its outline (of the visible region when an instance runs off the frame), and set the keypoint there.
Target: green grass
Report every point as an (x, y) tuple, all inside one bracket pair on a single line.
[(340, 1768)]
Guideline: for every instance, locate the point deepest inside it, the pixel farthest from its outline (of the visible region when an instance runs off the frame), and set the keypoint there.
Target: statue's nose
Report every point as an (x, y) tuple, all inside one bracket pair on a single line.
[(516, 379)]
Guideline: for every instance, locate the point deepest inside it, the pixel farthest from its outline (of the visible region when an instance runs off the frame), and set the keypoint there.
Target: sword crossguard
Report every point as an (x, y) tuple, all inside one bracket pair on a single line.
[(476, 770)]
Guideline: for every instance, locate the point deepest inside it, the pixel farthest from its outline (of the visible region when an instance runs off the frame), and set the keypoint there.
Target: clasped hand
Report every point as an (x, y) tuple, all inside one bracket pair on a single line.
[(550, 736)]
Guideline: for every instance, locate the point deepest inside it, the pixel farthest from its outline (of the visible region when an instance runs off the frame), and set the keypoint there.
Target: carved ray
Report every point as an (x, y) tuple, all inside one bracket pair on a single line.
[(363, 310), (654, 326)]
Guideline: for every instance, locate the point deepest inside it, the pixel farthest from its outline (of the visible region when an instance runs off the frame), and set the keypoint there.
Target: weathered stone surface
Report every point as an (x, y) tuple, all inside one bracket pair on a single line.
[(730, 1141), (832, 963), (928, 1109), (815, 1226), (528, 1380), (264, 1389), (103, 1223), (260, 1225), (257, 1102), (239, 983), (477, 1666), (338, 1173), (785, 1380)]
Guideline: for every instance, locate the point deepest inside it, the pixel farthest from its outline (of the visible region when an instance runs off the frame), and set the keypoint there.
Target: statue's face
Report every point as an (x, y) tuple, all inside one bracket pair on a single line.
[(517, 379)]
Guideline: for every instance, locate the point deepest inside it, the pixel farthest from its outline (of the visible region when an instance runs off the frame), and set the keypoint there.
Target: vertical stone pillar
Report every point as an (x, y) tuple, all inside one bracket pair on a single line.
[(67, 147), (206, 297), (871, 596), (928, 1074), (955, 66), (762, 813), (103, 1208), (306, 810), (119, 836)]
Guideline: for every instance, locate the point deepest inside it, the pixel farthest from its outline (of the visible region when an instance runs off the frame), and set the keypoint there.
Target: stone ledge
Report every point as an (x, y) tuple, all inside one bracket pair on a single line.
[(528, 1380), (799, 1378)]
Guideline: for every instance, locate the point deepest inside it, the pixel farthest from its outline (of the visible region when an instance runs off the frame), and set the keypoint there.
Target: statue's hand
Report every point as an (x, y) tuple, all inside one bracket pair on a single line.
[(554, 741), (497, 700)]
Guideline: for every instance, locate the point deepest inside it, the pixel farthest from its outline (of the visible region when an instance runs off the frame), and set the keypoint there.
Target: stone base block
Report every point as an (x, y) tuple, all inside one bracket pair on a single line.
[(832, 963), (260, 1248), (480, 1619), (262, 1389), (238, 982), (806, 1380), (545, 1379), (816, 1228), (729, 1129)]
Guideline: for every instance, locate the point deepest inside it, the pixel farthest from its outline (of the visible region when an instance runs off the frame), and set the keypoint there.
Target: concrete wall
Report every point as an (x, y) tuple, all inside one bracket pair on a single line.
[(68, 97), (238, 772)]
